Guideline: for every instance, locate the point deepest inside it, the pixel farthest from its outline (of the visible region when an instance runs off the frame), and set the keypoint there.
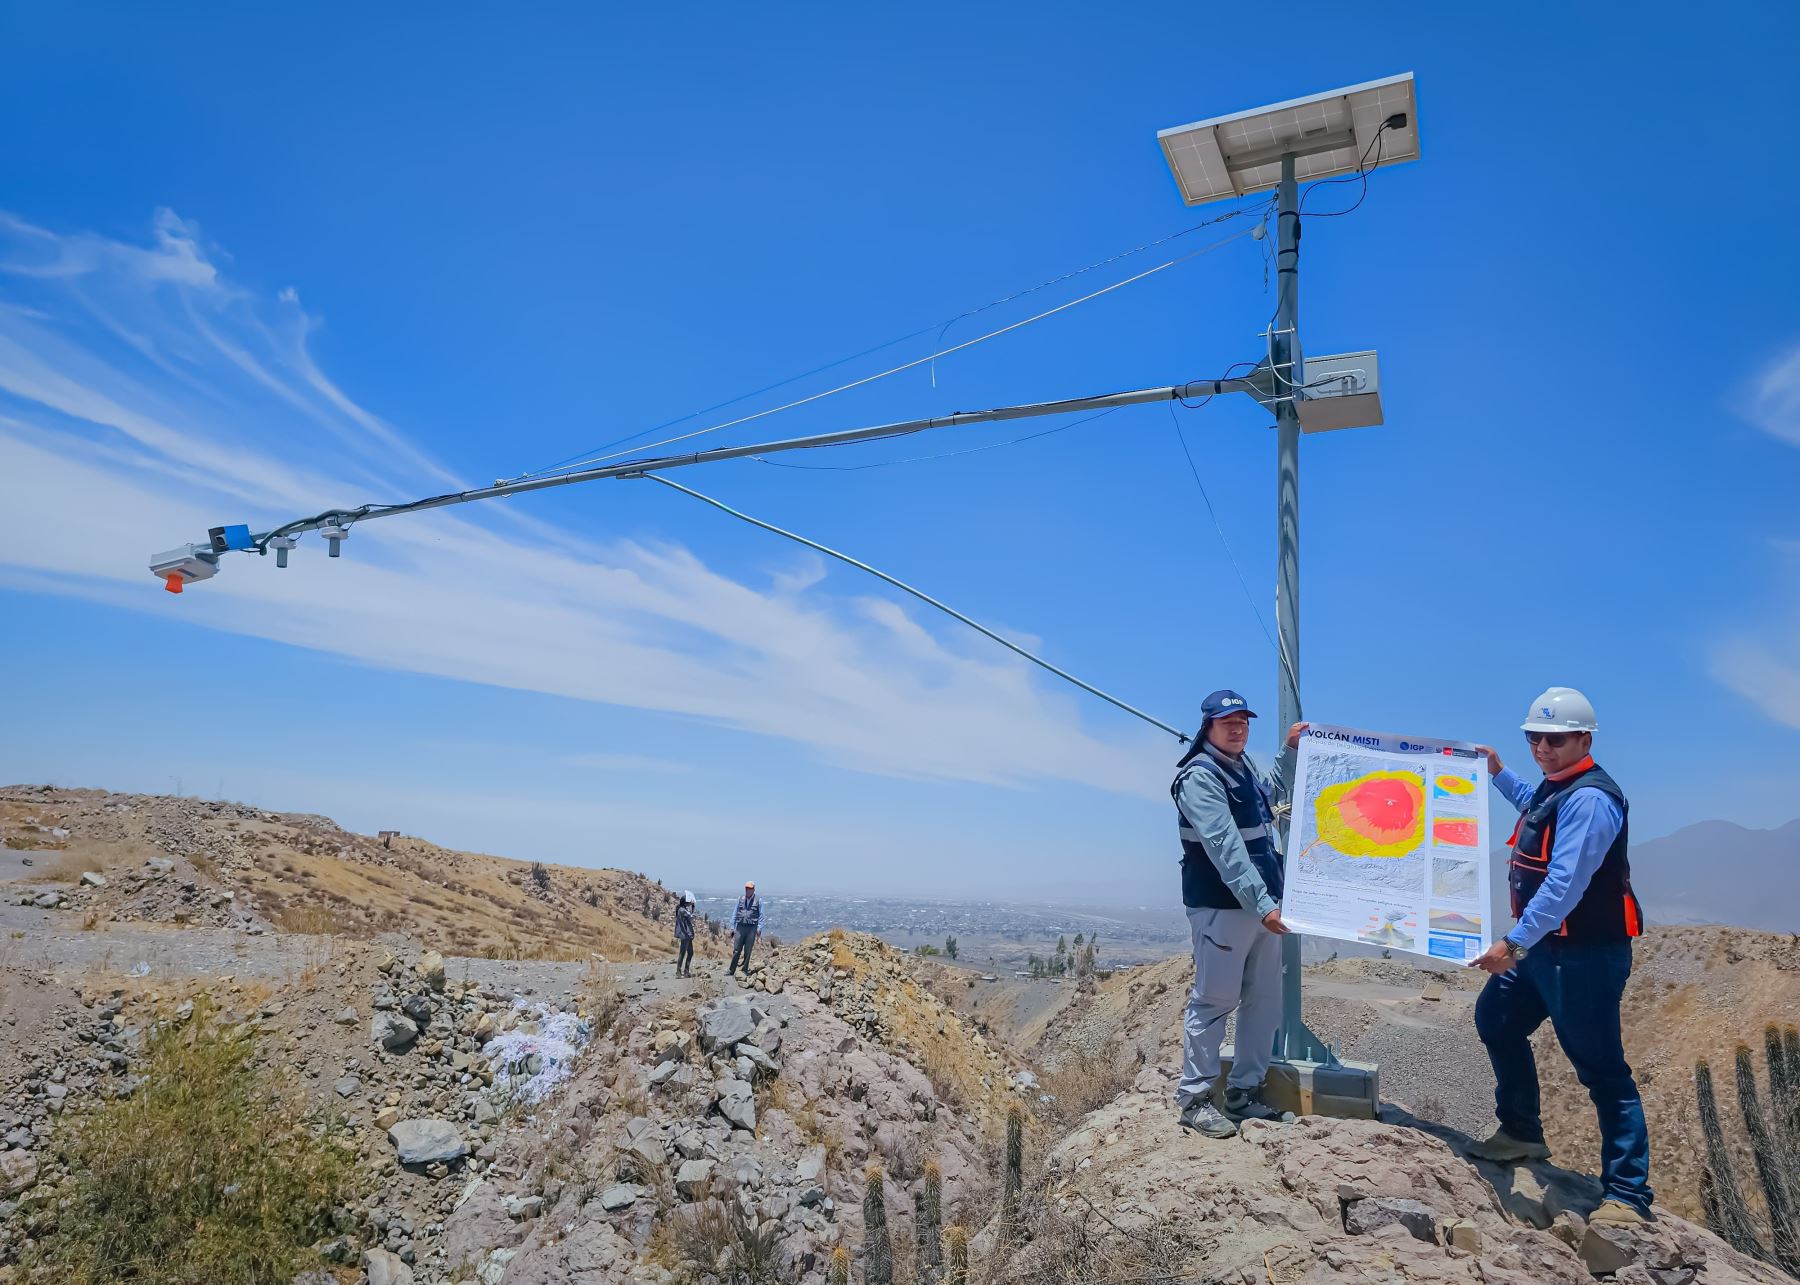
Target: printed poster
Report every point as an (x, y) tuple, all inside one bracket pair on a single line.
[(1388, 843)]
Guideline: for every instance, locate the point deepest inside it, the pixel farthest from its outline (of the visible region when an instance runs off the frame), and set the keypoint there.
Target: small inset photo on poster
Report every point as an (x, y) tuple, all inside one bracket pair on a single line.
[(1455, 935), (1448, 830), (1394, 928), (1455, 880)]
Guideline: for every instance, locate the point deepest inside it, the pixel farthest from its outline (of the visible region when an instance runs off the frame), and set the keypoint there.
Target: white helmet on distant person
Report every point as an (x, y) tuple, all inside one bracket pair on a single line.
[(1560, 709)]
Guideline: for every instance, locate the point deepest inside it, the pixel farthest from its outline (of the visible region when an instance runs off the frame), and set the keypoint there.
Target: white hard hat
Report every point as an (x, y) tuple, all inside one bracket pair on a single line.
[(688, 897), (1561, 709)]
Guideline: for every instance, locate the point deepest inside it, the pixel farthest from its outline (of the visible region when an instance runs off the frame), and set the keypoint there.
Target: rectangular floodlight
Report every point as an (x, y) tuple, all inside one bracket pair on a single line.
[(1327, 133)]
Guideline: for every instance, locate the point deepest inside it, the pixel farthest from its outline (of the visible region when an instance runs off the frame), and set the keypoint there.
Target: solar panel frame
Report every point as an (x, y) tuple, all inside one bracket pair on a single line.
[(1200, 155)]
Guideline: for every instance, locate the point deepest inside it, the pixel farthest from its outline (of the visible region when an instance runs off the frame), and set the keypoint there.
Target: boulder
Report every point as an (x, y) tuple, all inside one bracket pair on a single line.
[(723, 1025), (392, 1032), (93, 879), (1365, 1217), (349, 1086), (430, 970), (812, 1164), (692, 1178), (737, 1104), (662, 1072), (49, 901), (418, 1008), (613, 1199), (18, 1171), (427, 1140), (384, 1268), (759, 1059)]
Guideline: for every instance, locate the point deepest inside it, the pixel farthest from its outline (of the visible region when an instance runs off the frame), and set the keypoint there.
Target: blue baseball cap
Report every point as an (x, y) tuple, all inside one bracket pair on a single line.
[(1223, 702)]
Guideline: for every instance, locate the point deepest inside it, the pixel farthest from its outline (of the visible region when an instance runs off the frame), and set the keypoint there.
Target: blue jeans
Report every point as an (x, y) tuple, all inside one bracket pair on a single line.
[(1578, 987)]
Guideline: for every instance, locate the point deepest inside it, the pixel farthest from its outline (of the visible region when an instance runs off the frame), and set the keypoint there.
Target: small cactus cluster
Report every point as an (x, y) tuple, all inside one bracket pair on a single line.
[(1774, 1137), (878, 1250), (941, 1253), (956, 1256), (1015, 1170)]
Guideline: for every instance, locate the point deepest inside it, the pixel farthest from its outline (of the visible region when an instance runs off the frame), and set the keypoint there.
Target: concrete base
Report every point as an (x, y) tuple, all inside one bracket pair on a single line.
[(1347, 1091)]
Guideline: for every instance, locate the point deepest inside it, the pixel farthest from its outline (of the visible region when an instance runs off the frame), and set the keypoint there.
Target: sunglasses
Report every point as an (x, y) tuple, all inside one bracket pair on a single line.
[(1555, 740)]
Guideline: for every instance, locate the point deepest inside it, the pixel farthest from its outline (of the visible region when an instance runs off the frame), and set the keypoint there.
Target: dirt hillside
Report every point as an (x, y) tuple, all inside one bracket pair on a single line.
[(294, 872)]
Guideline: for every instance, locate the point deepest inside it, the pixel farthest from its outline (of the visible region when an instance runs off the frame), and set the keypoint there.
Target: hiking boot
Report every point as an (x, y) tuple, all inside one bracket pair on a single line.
[(1616, 1213), (1206, 1120), (1241, 1104), (1504, 1149)]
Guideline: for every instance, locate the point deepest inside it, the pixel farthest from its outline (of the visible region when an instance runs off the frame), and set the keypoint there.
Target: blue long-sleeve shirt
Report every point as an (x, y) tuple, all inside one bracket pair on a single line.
[(1587, 822)]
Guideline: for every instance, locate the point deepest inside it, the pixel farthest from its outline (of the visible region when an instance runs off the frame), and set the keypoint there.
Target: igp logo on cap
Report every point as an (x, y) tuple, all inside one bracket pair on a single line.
[(1223, 702)]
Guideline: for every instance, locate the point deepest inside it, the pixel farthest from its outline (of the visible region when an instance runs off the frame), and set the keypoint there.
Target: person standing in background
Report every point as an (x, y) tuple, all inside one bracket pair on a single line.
[(684, 935)]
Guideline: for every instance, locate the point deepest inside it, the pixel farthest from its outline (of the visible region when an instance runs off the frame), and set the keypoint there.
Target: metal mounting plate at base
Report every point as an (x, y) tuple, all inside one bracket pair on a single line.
[(1344, 1091)]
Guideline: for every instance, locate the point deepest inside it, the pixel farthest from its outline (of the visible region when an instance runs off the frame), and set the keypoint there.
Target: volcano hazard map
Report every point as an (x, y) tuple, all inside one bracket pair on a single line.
[(1388, 843)]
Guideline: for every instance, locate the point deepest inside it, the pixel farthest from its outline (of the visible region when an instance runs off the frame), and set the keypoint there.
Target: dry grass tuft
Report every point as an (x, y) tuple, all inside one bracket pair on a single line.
[(68, 868), (207, 1173)]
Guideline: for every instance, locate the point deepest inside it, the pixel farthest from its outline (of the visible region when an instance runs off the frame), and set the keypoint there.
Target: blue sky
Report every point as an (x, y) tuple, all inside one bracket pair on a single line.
[(253, 264)]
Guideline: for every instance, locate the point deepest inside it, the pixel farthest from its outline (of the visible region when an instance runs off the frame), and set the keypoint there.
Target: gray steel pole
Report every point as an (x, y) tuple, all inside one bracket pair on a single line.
[(1294, 1041)]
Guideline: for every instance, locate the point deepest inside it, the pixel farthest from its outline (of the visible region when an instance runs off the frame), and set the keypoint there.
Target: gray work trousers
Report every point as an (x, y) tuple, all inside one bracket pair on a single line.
[(1237, 966)]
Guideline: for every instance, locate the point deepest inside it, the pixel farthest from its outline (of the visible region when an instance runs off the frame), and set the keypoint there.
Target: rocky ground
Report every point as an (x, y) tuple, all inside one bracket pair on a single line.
[(528, 1121)]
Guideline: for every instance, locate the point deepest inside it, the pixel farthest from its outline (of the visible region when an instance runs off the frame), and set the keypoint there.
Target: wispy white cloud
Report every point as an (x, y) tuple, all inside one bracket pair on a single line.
[(124, 403), (1770, 399), (1762, 664)]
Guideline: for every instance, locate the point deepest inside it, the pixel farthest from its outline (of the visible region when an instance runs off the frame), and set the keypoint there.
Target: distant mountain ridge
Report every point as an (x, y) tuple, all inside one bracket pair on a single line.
[(1719, 872)]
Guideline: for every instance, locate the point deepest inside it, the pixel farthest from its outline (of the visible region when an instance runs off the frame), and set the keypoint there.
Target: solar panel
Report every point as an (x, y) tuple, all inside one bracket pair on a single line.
[(1328, 133)]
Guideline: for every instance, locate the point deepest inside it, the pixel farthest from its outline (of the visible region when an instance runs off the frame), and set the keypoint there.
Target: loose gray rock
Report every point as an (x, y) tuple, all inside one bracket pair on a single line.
[(722, 1025), (385, 1268), (93, 879), (758, 1058), (662, 1072), (812, 1164), (349, 1086), (616, 1198), (520, 1208), (51, 900), (18, 1171), (392, 1032), (425, 1141), (737, 1104), (430, 969), (692, 1178), (345, 1017), (1363, 1217)]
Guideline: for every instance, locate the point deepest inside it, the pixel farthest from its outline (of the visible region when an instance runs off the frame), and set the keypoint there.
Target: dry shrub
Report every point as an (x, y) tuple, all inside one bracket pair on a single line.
[(1081, 1246), (601, 997), (1086, 1078), (206, 1173), (714, 1238), (67, 868), (315, 920)]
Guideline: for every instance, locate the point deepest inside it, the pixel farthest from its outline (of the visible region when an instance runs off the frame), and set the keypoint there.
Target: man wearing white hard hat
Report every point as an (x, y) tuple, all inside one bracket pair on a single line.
[(1569, 956)]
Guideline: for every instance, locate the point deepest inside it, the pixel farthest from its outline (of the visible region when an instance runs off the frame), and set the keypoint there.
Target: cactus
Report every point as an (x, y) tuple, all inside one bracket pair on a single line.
[(878, 1252), (838, 1273), (1784, 1095), (1726, 1215), (928, 1222), (1772, 1168), (956, 1254), (1015, 1169)]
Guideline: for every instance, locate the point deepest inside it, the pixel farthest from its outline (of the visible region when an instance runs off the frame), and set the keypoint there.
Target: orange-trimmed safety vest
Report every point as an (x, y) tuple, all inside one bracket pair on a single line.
[(1608, 910)]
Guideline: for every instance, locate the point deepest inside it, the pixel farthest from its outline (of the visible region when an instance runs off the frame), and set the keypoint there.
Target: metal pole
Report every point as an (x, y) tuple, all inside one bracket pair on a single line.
[(1294, 1041), (656, 464)]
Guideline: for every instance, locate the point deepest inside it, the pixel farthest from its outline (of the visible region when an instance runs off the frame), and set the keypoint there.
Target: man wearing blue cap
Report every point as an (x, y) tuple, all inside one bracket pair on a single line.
[(1231, 883)]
